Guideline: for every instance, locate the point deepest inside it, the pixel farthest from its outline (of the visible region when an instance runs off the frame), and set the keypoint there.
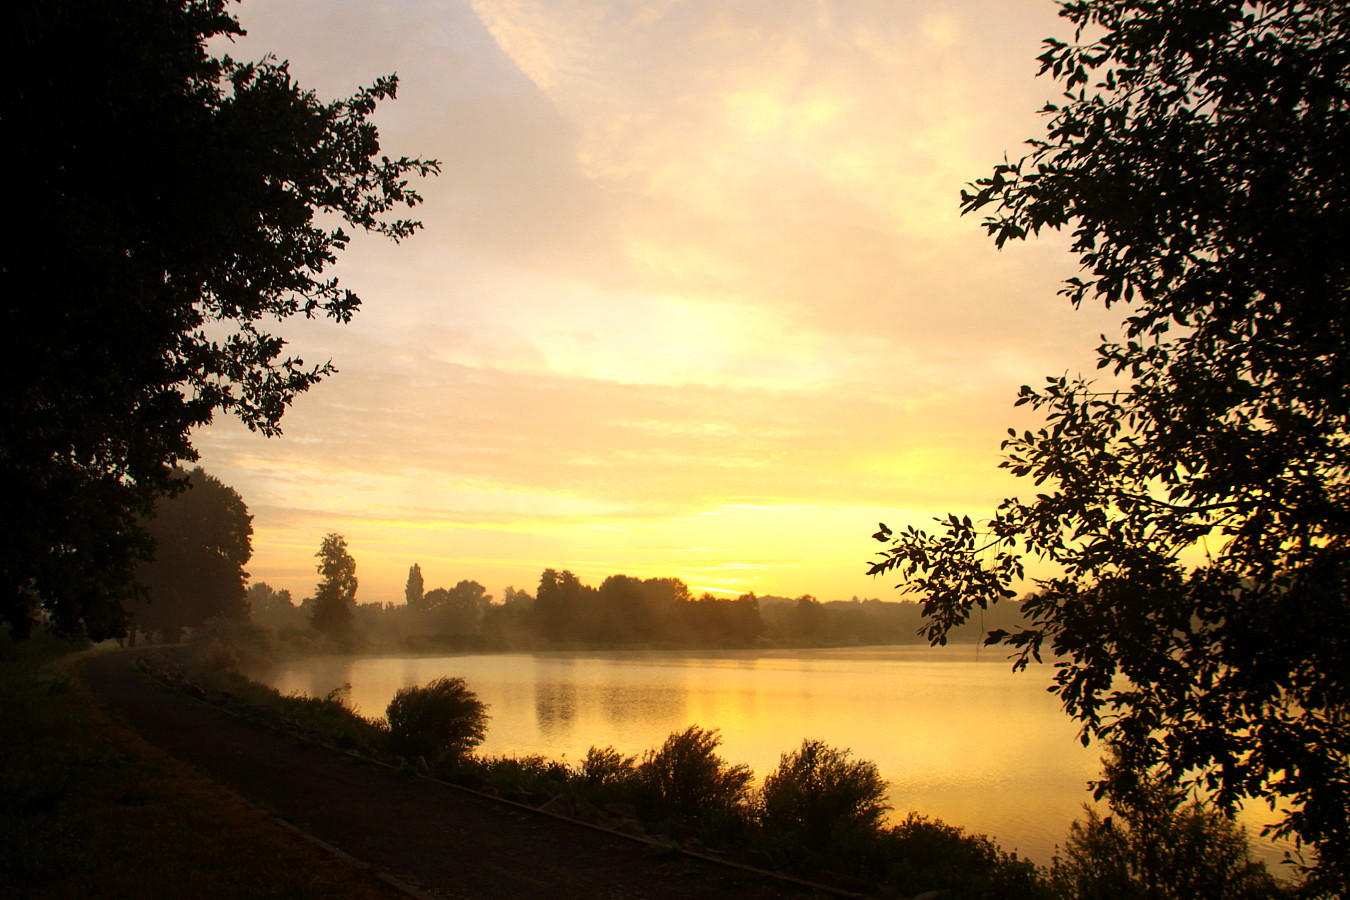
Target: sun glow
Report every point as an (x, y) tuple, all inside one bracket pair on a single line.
[(692, 298)]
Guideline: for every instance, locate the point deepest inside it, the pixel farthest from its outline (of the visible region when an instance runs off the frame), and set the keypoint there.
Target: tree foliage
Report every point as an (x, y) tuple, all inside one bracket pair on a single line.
[(1193, 510), (818, 795), (413, 591), (441, 720), (203, 538), (686, 780), (1157, 845), (272, 608), (175, 204), (457, 610), (334, 603)]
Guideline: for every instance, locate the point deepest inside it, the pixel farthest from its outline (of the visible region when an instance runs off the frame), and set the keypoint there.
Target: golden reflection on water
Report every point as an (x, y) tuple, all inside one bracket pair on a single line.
[(959, 737)]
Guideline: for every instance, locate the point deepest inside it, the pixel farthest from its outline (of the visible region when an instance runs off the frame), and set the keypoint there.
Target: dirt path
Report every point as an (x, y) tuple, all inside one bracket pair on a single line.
[(443, 840)]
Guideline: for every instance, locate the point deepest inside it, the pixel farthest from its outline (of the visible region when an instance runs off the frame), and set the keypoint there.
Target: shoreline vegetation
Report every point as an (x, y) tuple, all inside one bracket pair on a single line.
[(622, 613), (819, 816)]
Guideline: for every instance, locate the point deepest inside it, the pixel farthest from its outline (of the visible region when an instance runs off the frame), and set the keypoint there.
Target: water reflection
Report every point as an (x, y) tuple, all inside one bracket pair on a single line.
[(555, 706), (958, 738)]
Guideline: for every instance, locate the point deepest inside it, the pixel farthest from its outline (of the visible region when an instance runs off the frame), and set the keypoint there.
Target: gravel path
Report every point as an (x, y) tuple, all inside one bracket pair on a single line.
[(440, 839)]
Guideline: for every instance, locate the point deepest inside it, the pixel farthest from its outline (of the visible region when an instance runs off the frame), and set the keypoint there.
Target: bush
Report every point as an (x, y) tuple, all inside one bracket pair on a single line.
[(526, 773), (1157, 846), (922, 854), (688, 782), (442, 720), (606, 776), (818, 796)]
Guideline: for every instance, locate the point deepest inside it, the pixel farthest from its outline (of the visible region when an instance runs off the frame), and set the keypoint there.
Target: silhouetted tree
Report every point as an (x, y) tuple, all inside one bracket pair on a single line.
[(458, 610), (623, 614), (203, 540), (271, 608), (441, 720), (173, 202), (1157, 844), (558, 606), (711, 621), (686, 780), (665, 599), (511, 622), (1198, 505), (412, 592), (334, 604), (808, 620), (818, 796)]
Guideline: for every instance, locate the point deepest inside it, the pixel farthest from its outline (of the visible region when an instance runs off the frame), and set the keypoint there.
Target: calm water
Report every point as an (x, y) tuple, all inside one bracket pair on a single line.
[(958, 736)]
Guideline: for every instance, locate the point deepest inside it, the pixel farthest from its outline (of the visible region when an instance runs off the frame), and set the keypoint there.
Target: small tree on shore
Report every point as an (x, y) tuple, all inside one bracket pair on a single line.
[(413, 591), (440, 721), (1157, 845), (818, 795), (686, 780), (334, 604)]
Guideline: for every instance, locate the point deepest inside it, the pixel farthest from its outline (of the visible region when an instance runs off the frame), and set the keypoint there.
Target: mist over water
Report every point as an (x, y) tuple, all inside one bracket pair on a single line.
[(955, 732)]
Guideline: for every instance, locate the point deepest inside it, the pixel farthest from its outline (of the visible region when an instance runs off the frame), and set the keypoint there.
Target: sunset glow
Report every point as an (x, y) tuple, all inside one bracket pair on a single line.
[(693, 296)]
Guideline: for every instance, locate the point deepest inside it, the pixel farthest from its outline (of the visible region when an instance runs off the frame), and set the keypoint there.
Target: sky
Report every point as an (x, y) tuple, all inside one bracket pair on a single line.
[(693, 296)]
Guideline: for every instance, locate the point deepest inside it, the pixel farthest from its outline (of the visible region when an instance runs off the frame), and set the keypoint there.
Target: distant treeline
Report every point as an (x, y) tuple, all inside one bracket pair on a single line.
[(622, 611)]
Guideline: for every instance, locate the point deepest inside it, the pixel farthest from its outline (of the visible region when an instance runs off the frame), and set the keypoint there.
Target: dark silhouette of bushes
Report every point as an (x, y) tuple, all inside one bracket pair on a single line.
[(606, 776), (1157, 845), (819, 815), (817, 790), (687, 782), (920, 854), (441, 721), (819, 803), (532, 773)]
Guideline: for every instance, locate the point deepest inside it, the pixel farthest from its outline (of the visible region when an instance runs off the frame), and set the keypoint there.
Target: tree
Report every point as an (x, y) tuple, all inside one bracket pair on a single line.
[(624, 615), (1192, 513), (173, 203), (458, 610), (819, 796), (202, 541), (686, 780), (1157, 846), (271, 608), (334, 605), (413, 592), (442, 720), (558, 606)]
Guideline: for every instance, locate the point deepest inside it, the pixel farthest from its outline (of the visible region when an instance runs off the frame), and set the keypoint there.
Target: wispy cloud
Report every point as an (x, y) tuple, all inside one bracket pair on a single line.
[(694, 277)]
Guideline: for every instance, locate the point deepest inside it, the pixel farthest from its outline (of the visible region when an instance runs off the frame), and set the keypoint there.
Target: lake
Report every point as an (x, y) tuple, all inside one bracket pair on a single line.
[(958, 736)]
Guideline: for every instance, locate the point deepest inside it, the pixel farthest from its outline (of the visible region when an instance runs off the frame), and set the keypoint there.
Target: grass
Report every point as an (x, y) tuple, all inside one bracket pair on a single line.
[(328, 715), (88, 809)]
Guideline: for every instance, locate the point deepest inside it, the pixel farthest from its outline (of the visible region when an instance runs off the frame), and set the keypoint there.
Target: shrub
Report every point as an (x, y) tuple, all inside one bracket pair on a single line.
[(818, 796), (1157, 846), (687, 781), (527, 773), (328, 715), (606, 776), (922, 854), (441, 720)]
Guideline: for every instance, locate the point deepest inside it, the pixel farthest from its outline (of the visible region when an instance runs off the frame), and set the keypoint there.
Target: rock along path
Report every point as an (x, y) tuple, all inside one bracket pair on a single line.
[(443, 840)]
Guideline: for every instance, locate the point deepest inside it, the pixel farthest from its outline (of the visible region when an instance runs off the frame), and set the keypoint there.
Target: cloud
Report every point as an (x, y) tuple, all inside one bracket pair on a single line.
[(694, 276)]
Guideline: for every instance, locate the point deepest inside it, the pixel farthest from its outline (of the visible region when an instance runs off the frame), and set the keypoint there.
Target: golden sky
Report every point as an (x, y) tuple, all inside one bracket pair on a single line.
[(693, 297)]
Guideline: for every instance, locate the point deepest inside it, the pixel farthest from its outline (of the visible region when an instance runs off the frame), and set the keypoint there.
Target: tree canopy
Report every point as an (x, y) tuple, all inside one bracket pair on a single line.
[(334, 603), (1193, 508), (175, 205), (203, 538)]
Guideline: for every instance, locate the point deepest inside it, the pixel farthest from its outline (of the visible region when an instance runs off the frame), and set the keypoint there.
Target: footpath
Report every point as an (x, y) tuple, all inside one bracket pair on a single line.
[(441, 840)]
